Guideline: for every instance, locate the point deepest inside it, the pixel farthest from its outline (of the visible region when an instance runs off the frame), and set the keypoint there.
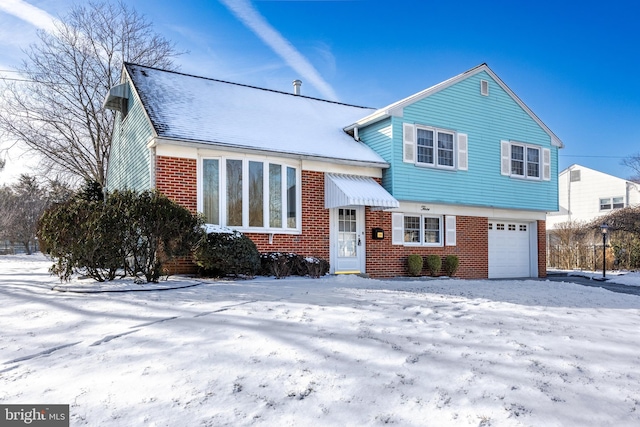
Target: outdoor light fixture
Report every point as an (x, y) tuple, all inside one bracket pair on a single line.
[(604, 228)]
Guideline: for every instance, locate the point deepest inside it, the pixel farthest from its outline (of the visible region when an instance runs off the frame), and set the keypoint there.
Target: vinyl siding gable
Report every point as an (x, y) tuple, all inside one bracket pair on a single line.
[(486, 120), (380, 137), (130, 159)]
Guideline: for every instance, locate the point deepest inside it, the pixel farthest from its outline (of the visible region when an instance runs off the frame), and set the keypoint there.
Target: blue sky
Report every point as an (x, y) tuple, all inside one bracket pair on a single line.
[(573, 63)]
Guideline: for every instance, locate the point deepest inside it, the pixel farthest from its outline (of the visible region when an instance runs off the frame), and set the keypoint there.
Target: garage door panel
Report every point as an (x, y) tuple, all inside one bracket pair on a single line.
[(509, 249)]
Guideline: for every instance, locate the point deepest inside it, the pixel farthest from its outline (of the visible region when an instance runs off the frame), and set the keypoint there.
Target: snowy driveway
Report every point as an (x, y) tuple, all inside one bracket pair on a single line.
[(333, 351)]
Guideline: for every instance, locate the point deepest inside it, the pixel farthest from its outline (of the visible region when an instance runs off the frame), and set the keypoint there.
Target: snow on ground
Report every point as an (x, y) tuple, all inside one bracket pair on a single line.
[(343, 351)]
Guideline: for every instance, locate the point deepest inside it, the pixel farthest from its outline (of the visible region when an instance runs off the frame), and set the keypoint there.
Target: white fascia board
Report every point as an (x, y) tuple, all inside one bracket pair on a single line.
[(369, 120), (474, 211), (396, 108), (243, 149), (134, 91), (330, 167), (555, 141)]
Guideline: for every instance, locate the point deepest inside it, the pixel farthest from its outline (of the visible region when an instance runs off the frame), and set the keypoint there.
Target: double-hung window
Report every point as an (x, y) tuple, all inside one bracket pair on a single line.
[(445, 149), (533, 162), (254, 195), (522, 160), (423, 230), (425, 146), (525, 161), (435, 147)]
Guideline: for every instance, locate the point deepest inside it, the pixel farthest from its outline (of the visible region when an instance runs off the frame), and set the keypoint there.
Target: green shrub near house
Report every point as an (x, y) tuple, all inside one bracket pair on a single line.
[(415, 264), (434, 264), (450, 265), (126, 233), (227, 252)]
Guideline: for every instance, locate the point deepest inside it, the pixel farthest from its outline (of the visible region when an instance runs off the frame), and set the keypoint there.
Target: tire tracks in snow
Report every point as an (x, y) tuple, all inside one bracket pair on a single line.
[(16, 362)]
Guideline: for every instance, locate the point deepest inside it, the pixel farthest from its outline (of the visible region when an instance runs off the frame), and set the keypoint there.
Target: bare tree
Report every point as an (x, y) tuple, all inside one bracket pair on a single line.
[(570, 245), (20, 208), (625, 219), (58, 112), (633, 162)]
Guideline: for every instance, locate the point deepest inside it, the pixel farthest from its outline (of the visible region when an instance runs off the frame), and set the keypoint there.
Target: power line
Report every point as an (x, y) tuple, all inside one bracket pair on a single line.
[(18, 80), (11, 79), (600, 157)]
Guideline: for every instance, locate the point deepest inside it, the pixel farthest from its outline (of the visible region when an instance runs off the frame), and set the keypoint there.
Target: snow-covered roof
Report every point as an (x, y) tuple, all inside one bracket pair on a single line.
[(202, 110)]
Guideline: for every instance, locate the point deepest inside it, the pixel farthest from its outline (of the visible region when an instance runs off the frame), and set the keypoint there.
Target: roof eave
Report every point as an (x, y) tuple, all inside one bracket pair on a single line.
[(241, 148)]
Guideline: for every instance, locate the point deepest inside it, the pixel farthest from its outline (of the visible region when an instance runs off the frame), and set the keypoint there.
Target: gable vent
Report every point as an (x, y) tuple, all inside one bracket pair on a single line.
[(484, 88)]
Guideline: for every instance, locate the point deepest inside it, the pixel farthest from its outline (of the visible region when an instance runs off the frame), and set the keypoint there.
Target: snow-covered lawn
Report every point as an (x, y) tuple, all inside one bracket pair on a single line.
[(337, 351)]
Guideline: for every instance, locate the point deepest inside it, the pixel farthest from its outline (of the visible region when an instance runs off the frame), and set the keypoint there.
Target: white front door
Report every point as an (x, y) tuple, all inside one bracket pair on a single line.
[(347, 240)]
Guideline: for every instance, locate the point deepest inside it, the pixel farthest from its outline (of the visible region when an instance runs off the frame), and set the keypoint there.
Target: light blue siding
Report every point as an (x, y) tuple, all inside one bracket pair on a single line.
[(379, 137), (486, 120), (129, 161)]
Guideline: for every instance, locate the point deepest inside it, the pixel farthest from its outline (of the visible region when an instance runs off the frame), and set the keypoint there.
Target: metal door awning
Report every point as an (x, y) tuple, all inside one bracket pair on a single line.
[(353, 190)]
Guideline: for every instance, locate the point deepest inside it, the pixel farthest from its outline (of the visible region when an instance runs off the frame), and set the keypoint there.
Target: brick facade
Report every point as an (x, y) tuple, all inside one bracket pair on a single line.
[(387, 260), (314, 240), (542, 249), (177, 178)]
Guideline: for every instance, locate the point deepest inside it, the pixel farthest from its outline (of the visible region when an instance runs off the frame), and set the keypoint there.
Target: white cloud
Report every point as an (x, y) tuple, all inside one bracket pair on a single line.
[(29, 13), (249, 16)]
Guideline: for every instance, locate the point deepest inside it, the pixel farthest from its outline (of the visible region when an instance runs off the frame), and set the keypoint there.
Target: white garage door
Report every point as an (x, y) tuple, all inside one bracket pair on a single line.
[(509, 249)]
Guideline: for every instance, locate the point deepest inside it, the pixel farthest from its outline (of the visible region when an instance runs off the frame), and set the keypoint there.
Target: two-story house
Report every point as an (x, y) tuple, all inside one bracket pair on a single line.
[(586, 194), (463, 168)]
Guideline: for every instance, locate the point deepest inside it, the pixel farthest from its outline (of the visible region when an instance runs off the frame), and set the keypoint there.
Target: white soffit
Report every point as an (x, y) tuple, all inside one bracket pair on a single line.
[(351, 190)]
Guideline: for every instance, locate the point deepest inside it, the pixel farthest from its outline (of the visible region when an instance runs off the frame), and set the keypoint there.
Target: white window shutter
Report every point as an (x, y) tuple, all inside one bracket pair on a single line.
[(397, 224), (546, 164), (463, 148), (505, 156), (451, 230), (408, 143)]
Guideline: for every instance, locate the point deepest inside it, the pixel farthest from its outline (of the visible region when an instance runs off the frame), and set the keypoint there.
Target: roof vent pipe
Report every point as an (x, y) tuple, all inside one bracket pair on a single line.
[(296, 87)]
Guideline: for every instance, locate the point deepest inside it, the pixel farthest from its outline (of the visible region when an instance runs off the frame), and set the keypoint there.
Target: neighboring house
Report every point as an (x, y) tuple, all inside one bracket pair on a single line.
[(586, 194), (462, 168)]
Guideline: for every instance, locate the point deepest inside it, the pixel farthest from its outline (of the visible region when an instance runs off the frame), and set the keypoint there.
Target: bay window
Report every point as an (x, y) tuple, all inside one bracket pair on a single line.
[(254, 195)]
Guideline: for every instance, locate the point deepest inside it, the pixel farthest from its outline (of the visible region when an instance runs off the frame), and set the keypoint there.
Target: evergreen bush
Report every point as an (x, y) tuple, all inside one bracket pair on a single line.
[(82, 237), (414, 264), (157, 230), (124, 233), (450, 265), (434, 263), (227, 253)]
